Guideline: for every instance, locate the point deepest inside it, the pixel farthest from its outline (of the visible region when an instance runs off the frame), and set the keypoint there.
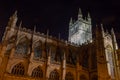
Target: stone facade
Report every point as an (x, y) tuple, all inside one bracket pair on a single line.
[(30, 55)]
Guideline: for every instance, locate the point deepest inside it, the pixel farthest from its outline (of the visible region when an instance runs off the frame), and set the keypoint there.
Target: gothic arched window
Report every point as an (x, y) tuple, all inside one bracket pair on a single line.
[(71, 57), (18, 69), (93, 60), (69, 76), (82, 77), (22, 48), (59, 54), (37, 73), (38, 50), (53, 53), (85, 59), (54, 75)]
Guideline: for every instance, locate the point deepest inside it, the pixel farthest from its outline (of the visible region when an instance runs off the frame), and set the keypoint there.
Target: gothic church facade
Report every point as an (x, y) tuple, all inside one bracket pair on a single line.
[(30, 55)]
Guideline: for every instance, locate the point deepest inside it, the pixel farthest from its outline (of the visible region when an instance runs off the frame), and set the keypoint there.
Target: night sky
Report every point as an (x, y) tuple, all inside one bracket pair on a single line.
[(55, 14)]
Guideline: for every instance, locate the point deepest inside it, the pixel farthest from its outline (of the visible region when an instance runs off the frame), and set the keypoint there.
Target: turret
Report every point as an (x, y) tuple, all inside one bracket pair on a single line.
[(71, 22), (102, 30), (114, 39), (79, 14), (88, 18), (13, 20)]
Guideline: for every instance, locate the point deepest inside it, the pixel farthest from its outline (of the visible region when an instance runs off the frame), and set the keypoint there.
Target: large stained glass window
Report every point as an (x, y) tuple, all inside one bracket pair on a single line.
[(85, 58), (59, 54), (53, 53), (71, 57), (37, 52), (22, 48)]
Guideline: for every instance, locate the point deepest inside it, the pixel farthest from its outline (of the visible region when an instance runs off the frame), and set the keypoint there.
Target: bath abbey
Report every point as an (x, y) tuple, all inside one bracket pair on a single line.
[(29, 55)]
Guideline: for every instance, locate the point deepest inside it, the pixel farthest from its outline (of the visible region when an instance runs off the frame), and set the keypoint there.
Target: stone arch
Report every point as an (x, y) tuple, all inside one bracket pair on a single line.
[(54, 75), (69, 76), (37, 72), (18, 69), (83, 77)]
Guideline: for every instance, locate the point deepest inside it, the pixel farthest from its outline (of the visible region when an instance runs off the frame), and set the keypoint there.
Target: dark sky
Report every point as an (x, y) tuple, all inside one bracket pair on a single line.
[(55, 14)]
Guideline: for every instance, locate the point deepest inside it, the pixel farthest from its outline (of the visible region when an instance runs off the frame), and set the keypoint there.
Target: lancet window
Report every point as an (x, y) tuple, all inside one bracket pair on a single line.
[(38, 50), (93, 60), (53, 53), (71, 57), (59, 54), (85, 62)]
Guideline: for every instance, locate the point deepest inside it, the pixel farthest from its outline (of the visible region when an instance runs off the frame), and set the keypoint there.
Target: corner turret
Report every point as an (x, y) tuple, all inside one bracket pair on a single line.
[(80, 14), (13, 20)]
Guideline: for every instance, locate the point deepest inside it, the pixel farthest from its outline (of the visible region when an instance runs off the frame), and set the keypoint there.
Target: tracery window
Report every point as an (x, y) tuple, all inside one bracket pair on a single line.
[(85, 62), (22, 48), (38, 50), (54, 75), (59, 54), (71, 57), (37, 73), (53, 53), (18, 69), (69, 76)]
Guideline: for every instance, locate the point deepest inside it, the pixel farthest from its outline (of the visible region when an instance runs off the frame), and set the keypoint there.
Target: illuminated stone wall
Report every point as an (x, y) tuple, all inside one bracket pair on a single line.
[(30, 55)]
